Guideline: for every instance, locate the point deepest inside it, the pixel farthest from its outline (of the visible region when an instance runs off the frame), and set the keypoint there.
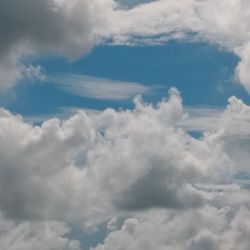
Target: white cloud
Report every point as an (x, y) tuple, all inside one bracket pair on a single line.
[(68, 159), (233, 133), (99, 88), (201, 119), (206, 228), (242, 70), (213, 21), (34, 72), (90, 167)]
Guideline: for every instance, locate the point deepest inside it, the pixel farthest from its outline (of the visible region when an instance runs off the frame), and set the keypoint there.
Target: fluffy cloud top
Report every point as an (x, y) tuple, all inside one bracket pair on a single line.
[(102, 162), (207, 228), (90, 167)]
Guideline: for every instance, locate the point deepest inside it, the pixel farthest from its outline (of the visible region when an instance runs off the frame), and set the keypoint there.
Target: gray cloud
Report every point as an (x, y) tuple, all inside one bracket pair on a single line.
[(157, 189), (50, 27), (68, 159), (68, 28), (138, 164), (40, 236)]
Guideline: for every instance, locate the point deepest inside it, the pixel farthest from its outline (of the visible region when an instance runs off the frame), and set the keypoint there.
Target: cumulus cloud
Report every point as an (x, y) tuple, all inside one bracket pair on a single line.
[(93, 166), (83, 153), (207, 228), (92, 163)]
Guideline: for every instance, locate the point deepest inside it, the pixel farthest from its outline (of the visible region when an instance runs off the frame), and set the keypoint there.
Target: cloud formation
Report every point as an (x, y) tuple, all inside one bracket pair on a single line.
[(56, 27), (137, 164), (84, 153), (207, 228), (72, 28)]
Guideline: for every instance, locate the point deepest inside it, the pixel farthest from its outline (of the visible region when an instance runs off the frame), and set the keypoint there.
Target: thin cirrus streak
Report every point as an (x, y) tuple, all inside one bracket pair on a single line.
[(100, 88)]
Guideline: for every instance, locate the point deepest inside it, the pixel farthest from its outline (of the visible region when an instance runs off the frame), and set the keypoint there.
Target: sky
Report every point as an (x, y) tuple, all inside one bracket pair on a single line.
[(124, 124)]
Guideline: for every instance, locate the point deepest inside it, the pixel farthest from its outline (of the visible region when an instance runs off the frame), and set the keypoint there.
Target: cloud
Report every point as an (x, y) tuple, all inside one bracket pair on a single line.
[(201, 119), (233, 133), (99, 88), (56, 27), (40, 236), (204, 20), (139, 165), (90, 165), (66, 159), (243, 67), (224, 24), (206, 228), (73, 29)]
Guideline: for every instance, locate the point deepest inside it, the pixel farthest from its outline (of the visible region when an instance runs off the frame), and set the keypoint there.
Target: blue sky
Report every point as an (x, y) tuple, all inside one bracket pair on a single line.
[(204, 74)]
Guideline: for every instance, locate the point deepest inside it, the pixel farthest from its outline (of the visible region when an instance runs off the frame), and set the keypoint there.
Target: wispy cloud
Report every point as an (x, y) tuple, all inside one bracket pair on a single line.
[(210, 119), (99, 88), (201, 118)]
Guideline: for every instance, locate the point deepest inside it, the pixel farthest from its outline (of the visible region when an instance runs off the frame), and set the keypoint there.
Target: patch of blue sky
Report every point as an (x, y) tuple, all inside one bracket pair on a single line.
[(204, 74), (88, 240)]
